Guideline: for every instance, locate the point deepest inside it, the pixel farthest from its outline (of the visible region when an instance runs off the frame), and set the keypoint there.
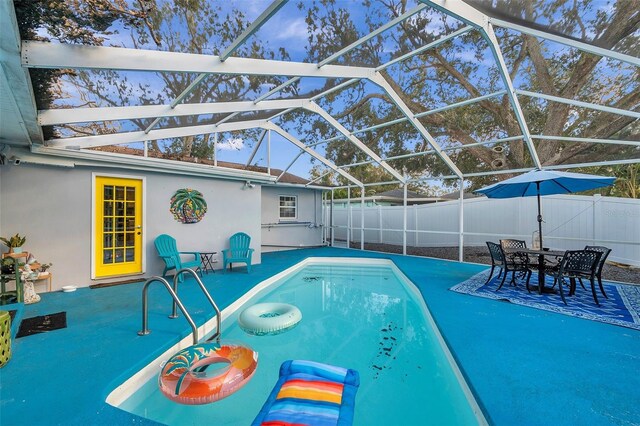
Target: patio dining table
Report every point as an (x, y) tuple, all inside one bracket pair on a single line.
[(542, 266)]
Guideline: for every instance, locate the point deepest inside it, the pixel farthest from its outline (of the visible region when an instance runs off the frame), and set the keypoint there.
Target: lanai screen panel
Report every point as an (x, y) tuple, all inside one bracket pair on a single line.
[(586, 22), (575, 103), (451, 99)]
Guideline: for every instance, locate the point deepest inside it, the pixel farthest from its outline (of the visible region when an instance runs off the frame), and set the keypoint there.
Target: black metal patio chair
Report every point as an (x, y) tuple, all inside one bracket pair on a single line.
[(512, 262), (605, 253), (575, 265), (497, 259), (508, 244), (510, 248)]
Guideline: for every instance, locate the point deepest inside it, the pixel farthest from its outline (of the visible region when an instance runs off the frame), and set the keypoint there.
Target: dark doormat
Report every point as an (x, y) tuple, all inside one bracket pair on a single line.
[(42, 324), (104, 285)]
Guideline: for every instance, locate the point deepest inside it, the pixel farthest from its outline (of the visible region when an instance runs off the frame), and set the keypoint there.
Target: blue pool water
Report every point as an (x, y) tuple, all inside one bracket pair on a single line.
[(364, 317)]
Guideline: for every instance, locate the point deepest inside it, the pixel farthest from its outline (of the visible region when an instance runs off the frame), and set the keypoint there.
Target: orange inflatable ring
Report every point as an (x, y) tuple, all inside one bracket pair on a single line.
[(183, 380)]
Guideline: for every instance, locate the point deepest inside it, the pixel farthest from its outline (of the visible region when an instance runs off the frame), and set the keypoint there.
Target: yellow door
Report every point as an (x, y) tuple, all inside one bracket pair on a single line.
[(118, 225)]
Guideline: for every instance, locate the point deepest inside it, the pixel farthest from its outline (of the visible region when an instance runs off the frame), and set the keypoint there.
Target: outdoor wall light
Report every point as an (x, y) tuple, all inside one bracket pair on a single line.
[(248, 185)]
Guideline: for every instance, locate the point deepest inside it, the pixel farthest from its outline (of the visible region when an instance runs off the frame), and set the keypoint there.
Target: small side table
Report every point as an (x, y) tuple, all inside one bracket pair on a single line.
[(48, 276), (208, 261)]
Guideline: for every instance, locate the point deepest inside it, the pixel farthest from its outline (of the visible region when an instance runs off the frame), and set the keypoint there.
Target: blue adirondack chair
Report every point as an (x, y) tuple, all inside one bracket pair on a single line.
[(168, 251), (238, 251)]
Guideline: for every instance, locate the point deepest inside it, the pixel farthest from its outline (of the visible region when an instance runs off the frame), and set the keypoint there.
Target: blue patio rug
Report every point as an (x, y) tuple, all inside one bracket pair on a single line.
[(621, 308)]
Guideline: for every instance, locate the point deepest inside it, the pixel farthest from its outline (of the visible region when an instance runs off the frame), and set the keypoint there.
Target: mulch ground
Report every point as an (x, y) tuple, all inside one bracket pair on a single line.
[(613, 272)]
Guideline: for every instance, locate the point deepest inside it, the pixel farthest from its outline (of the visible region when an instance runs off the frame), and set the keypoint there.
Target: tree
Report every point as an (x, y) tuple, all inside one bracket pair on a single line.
[(450, 73), (626, 185), (194, 26), (70, 21)]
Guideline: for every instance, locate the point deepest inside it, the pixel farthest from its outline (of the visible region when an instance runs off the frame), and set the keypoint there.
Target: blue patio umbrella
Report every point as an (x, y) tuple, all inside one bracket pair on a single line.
[(544, 182)]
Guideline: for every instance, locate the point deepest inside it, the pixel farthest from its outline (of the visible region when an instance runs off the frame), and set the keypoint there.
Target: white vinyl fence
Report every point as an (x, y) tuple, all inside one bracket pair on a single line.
[(570, 222)]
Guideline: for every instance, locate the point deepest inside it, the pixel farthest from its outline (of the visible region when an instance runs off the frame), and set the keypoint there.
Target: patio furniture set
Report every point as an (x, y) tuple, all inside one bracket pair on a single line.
[(513, 256), (238, 252)]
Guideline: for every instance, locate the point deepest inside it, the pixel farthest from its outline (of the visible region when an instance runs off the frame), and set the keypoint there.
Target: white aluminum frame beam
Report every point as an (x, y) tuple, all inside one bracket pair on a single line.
[(319, 177), (342, 52), (585, 47), (461, 103), (51, 117), (253, 28), (581, 104), (51, 55), (373, 34), (423, 114), (290, 165), (335, 88), (215, 148), (446, 149), (490, 142), (255, 148), (227, 118), (391, 182), (314, 154), (587, 140), (527, 169), (359, 163), (558, 167), (82, 142), (511, 93), (381, 125), (595, 164), (399, 59), (425, 47), (274, 116), (315, 108), (479, 20), (460, 10), (460, 222), (276, 89), (382, 82), (269, 151)]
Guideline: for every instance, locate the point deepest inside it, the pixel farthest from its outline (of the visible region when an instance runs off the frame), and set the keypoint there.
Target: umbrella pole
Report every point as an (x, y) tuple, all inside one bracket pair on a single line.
[(539, 216)]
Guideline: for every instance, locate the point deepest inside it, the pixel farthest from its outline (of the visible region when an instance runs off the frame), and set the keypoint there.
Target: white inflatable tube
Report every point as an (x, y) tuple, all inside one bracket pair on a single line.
[(269, 318)]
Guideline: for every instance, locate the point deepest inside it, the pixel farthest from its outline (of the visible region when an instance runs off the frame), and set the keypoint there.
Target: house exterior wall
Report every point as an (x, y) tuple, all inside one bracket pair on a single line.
[(304, 231), (52, 206)]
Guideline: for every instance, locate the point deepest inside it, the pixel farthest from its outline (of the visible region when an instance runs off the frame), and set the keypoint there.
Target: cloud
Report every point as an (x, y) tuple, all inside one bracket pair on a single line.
[(231, 144), (295, 29)]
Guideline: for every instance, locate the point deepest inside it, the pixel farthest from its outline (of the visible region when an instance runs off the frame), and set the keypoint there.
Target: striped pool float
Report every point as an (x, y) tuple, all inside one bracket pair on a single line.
[(310, 393)]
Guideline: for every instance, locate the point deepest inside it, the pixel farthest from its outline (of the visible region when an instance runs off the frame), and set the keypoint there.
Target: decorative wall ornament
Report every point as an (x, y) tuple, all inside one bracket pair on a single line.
[(188, 206)]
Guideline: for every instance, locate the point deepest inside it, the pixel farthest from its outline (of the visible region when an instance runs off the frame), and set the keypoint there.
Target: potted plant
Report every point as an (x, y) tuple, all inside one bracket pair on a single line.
[(7, 266), (14, 243)]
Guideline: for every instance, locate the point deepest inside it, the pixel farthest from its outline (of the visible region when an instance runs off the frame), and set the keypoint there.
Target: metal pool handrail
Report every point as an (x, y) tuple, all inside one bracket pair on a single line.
[(176, 301), (174, 313)]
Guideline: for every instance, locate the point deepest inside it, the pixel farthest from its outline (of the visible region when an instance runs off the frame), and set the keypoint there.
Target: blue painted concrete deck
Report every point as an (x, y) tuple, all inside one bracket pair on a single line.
[(526, 366)]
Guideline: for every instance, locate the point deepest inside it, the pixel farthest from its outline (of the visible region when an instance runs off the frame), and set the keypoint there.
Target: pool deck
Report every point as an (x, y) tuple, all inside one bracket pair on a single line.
[(525, 366)]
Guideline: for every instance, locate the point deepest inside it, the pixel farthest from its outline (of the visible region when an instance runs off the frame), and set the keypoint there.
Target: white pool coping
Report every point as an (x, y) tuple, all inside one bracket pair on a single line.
[(122, 392)]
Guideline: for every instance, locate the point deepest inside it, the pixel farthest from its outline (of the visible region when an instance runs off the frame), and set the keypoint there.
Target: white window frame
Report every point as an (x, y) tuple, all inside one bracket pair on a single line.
[(294, 207)]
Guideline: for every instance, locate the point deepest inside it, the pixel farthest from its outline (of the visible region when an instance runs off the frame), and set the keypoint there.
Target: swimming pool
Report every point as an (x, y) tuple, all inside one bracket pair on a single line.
[(357, 314)]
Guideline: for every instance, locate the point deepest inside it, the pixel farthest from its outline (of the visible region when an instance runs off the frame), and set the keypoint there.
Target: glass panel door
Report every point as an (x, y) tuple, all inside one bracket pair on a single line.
[(118, 225)]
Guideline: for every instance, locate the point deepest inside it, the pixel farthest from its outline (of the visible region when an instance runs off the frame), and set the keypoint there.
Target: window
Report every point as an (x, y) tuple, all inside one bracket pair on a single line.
[(288, 207)]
